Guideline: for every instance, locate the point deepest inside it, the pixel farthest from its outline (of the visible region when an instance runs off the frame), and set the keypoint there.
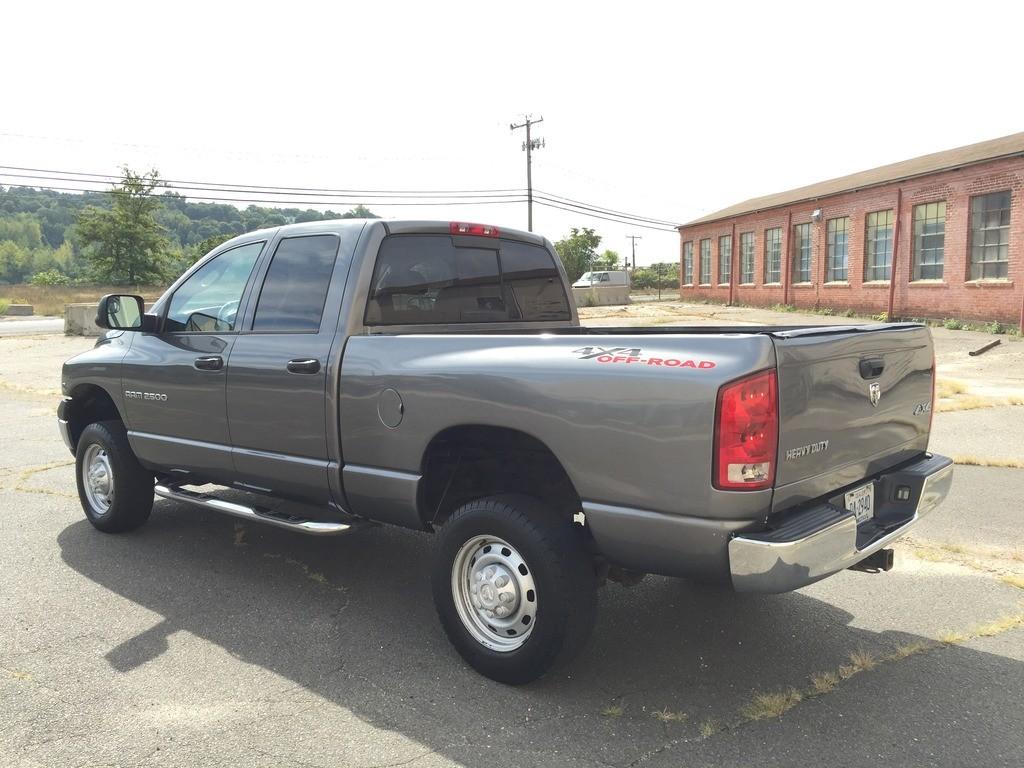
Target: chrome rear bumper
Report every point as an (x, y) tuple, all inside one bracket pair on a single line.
[(824, 539)]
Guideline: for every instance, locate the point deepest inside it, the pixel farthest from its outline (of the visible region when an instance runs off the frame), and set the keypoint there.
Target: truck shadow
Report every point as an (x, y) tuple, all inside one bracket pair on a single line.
[(351, 619)]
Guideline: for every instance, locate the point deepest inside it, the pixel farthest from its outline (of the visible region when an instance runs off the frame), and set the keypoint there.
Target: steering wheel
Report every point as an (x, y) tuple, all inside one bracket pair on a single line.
[(226, 315)]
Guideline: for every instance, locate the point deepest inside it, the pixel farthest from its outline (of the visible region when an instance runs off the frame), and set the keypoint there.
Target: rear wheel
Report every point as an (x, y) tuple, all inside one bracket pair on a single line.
[(115, 490), (514, 587)]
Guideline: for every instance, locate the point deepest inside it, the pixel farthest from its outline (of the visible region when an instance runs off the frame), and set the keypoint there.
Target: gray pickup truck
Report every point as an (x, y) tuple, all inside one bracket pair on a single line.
[(435, 376)]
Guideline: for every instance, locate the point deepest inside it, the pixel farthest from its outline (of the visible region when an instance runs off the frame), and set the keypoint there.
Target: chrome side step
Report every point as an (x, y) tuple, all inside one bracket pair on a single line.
[(256, 514)]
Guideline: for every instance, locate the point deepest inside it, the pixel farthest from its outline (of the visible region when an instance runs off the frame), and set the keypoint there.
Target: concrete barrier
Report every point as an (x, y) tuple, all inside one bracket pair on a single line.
[(19, 310), (80, 320), (601, 295)]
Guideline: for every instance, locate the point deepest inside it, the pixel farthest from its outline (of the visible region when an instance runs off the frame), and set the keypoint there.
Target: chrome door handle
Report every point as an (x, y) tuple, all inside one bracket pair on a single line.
[(304, 365), (210, 363)]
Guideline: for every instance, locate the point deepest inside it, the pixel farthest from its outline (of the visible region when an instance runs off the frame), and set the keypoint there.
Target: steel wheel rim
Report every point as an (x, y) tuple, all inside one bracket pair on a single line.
[(98, 479), (494, 593)]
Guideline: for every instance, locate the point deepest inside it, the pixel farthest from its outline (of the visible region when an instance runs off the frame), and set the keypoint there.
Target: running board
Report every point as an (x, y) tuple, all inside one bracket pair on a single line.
[(256, 514)]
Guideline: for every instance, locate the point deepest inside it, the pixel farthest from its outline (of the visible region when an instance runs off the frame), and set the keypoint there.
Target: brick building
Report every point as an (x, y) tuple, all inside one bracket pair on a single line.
[(949, 226)]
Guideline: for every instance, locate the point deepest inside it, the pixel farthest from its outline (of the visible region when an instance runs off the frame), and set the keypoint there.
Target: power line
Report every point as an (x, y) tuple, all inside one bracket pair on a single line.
[(602, 209), (262, 200), (263, 194), (606, 218), (265, 187)]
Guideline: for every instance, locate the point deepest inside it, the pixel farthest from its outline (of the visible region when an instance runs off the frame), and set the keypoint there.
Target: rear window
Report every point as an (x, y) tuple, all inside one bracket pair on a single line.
[(429, 279)]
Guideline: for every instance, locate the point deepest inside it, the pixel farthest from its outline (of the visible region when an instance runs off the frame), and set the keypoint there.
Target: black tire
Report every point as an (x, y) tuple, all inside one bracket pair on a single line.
[(132, 486), (560, 568)]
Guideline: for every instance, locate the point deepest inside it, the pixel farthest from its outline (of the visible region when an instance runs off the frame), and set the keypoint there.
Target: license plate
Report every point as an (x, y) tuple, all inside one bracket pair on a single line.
[(861, 501)]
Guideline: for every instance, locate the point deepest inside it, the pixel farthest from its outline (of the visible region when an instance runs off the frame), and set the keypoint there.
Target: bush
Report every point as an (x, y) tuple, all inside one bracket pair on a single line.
[(995, 327), (50, 277), (881, 317), (952, 324), (848, 313)]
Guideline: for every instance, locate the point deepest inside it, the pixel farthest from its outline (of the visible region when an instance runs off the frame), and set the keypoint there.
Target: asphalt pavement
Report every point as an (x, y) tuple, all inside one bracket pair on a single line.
[(30, 326), (199, 640)]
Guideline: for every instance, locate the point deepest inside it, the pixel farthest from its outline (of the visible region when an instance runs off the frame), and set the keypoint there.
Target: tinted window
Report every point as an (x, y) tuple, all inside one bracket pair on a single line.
[(208, 300), (427, 279), (533, 287), (295, 288)]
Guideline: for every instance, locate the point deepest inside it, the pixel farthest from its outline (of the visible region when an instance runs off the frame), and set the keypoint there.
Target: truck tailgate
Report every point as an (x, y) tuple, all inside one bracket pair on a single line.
[(853, 401)]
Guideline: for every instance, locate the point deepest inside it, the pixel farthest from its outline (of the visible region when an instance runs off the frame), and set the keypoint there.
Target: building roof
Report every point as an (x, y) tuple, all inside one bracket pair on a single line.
[(937, 161)]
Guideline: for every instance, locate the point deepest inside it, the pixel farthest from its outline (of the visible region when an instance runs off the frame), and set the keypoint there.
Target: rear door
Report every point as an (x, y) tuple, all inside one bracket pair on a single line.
[(852, 402), (277, 373)]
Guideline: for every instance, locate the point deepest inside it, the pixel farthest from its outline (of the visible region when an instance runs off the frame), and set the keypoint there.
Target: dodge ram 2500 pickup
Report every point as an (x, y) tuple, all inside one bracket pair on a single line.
[(435, 376)]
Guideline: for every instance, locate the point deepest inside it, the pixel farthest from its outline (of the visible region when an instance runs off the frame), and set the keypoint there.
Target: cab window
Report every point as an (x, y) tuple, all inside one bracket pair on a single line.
[(207, 302), (432, 279)]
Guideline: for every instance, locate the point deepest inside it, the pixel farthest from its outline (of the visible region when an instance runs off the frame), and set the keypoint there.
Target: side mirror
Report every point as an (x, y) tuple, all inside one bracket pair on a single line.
[(120, 312)]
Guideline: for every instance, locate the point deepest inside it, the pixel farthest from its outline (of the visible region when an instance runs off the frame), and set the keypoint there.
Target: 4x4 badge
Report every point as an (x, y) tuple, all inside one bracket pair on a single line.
[(875, 393)]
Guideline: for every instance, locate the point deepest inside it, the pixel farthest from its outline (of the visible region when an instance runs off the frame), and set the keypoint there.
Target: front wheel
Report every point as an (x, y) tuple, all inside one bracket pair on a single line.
[(115, 490), (514, 587)]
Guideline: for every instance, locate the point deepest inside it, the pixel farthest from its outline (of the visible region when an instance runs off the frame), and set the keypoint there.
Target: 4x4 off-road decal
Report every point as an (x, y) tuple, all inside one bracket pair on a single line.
[(635, 356)]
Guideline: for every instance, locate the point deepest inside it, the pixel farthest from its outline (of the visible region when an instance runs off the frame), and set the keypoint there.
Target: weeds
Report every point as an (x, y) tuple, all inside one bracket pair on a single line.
[(708, 729), (50, 299), (1013, 580), (612, 711), (824, 682), (952, 324), (4, 304), (668, 716), (765, 705)]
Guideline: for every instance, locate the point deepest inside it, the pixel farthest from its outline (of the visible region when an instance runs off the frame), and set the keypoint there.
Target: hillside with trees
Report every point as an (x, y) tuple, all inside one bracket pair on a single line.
[(49, 237)]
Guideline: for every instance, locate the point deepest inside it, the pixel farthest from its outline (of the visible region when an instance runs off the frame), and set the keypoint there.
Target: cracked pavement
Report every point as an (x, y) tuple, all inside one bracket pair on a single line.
[(199, 640)]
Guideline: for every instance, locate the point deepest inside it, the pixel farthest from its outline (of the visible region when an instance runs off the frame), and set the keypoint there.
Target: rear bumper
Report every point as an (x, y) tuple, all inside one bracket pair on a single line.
[(825, 538)]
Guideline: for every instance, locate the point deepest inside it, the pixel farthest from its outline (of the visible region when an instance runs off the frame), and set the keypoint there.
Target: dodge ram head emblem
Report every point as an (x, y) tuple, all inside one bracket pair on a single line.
[(875, 393)]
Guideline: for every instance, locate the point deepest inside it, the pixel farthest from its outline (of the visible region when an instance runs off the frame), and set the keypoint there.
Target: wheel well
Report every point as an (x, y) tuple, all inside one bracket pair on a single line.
[(467, 462), (90, 404)]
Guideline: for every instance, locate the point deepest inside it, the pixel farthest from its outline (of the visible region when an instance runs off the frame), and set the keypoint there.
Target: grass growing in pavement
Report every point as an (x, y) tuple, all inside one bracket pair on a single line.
[(708, 729), (824, 682), (765, 705), (668, 716), (1013, 581), (979, 461), (613, 711)]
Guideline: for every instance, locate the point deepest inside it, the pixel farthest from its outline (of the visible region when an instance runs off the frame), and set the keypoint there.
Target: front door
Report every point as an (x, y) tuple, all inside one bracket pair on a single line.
[(278, 374), (174, 380)]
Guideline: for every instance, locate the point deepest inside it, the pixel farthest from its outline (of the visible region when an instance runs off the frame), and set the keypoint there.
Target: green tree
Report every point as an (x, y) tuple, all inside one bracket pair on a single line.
[(126, 244), (359, 212), (607, 260), (577, 251)]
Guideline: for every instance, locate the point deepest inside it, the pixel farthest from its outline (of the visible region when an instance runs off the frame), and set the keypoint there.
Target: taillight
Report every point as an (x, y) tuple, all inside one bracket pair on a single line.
[(481, 230), (747, 433)]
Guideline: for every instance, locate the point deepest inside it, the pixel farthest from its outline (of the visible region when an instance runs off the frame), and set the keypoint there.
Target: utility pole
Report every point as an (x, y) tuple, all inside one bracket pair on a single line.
[(634, 238), (528, 146)]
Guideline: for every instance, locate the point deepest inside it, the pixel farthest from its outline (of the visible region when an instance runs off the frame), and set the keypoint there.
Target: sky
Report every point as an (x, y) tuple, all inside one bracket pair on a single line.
[(666, 110)]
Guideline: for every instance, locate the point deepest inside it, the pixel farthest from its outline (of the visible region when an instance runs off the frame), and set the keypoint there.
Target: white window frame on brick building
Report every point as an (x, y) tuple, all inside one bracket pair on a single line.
[(747, 245), (704, 277), (724, 259), (773, 256), (929, 240), (989, 251), (878, 233), (688, 262), (837, 259), (802, 253)]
